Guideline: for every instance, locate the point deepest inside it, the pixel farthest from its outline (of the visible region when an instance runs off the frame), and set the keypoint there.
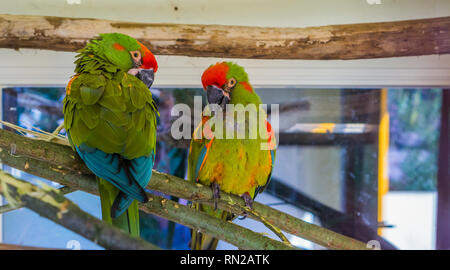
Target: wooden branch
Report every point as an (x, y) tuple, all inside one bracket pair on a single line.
[(223, 230), (9, 207), (72, 172), (351, 41), (52, 205), (32, 160), (156, 205)]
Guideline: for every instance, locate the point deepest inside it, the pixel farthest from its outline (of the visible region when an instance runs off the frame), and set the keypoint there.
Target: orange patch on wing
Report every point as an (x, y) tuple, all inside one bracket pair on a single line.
[(208, 146), (269, 166), (252, 181), (247, 86), (268, 127), (271, 134), (70, 84), (218, 173), (118, 47), (204, 119), (241, 154)]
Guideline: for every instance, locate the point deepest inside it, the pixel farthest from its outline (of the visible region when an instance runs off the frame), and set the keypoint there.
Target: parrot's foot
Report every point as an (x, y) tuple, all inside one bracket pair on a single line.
[(216, 193), (248, 203), (248, 200)]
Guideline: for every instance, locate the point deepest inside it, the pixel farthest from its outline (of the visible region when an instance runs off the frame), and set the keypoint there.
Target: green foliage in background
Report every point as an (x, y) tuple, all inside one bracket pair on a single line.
[(414, 138)]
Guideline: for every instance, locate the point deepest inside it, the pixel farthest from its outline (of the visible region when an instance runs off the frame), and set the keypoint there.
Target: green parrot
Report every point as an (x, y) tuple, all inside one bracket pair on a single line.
[(239, 165), (110, 119)]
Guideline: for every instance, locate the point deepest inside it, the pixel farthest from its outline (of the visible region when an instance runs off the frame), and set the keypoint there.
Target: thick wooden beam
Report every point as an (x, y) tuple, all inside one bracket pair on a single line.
[(352, 41)]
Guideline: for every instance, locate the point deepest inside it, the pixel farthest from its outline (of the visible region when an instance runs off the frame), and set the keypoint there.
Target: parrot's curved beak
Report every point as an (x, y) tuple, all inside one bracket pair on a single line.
[(217, 96), (147, 76)]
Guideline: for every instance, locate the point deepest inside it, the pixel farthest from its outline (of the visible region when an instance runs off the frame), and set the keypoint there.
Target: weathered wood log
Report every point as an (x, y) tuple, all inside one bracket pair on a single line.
[(36, 158), (351, 41)]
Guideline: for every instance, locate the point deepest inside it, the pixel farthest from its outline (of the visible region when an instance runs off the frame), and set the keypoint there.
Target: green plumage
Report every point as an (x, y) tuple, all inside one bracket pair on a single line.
[(107, 109), (128, 221), (114, 115), (239, 165)]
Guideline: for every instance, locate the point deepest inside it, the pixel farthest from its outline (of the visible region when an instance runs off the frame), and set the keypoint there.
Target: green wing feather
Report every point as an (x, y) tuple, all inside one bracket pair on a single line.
[(115, 114)]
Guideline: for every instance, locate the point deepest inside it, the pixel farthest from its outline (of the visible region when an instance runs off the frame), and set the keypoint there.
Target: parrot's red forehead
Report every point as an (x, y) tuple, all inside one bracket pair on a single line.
[(148, 59), (215, 75)]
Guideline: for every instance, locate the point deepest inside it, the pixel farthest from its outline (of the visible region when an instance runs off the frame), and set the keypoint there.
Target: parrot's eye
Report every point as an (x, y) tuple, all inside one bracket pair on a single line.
[(136, 55), (231, 83)]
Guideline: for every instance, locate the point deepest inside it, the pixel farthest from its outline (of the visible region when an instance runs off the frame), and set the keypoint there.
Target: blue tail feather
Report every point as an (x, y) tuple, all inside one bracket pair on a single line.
[(121, 204), (106, 166)]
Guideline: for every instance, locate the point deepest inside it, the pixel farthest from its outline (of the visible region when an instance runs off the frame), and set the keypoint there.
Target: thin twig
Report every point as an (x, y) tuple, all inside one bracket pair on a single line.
[(269, 225), (55, 133)]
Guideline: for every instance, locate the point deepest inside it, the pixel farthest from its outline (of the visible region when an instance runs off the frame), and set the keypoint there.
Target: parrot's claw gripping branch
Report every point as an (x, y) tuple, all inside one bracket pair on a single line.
[(216, 193), (248, 200), (248, 204), (248, 209)]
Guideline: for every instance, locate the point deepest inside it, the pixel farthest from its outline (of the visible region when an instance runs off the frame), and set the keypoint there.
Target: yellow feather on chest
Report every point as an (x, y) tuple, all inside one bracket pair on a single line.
[(238, 166)]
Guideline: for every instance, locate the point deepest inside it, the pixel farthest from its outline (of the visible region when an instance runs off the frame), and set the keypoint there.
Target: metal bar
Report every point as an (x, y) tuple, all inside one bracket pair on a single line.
[(383, 151), (443, 176), (1, 166)]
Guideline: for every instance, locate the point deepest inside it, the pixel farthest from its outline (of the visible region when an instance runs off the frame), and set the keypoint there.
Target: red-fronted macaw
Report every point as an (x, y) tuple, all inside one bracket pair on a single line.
[(240, 165), (110, 119)]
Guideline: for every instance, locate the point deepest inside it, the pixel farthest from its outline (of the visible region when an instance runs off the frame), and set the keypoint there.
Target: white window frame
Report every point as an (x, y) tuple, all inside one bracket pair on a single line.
[(27, 67)]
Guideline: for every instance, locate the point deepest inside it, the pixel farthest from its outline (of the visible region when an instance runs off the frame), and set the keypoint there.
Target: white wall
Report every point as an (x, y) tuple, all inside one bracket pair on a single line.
[(282, 13)]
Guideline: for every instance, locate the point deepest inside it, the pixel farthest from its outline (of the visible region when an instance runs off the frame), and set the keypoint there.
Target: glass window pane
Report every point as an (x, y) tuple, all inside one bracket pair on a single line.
[(361, 162)]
